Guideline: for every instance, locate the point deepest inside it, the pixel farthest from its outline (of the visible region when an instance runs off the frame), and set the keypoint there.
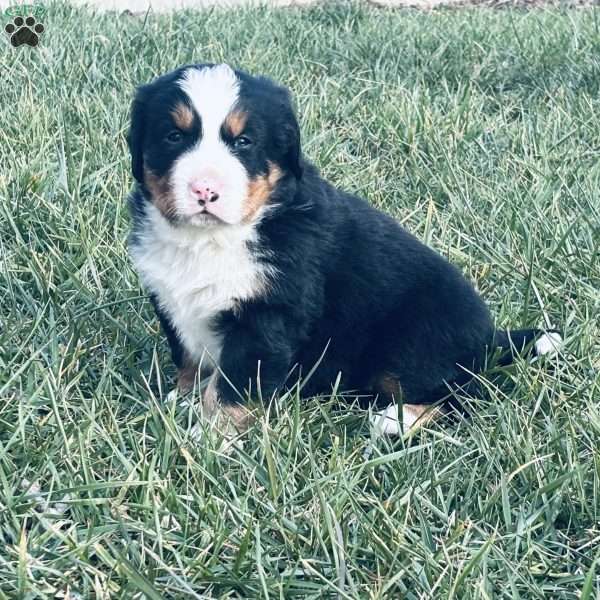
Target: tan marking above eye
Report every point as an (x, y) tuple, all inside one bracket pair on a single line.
[(235, 122), (260, 189), (183, 116)]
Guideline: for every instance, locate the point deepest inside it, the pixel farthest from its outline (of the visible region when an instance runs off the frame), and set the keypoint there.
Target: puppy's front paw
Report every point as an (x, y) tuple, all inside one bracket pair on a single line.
[(223, 414), (229, 421), (172, 396), (186, 377), (228, 440), (177, 396), (386, 422), (548, 344)]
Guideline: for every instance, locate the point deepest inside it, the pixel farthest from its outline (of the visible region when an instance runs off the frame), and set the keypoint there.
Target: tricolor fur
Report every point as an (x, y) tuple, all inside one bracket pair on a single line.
[(258, 266)]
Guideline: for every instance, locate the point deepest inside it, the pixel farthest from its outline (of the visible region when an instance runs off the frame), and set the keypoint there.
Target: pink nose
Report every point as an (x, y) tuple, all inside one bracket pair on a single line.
[(206, 189)]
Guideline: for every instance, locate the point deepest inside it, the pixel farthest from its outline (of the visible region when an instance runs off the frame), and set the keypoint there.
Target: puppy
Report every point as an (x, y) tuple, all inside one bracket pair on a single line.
[(260, 269)]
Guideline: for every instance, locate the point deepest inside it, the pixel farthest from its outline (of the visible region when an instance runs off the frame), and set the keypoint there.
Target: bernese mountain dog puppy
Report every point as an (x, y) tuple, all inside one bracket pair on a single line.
[(262, 271)]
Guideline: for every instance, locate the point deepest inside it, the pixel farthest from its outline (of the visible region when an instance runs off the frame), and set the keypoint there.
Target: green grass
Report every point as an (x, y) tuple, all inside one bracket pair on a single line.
[(480, 131)]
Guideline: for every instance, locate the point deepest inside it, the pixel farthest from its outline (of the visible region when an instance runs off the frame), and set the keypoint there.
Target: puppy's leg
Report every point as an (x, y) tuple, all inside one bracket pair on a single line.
[(387, 421), (221, 413), (186, 367), (189, 372), (230, 420), (186, 376)]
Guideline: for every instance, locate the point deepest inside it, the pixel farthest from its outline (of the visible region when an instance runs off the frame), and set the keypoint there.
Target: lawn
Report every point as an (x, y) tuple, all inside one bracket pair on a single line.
[(477, 129)]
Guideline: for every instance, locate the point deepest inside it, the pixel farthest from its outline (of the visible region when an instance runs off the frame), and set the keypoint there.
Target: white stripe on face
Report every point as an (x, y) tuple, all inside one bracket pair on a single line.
[(213, 92)]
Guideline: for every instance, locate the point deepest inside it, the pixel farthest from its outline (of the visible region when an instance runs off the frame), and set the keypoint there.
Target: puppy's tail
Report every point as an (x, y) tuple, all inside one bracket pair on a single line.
[(525, 342)]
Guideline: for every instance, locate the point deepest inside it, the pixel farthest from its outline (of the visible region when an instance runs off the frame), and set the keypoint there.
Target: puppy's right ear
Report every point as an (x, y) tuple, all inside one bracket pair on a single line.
[(135, 137)]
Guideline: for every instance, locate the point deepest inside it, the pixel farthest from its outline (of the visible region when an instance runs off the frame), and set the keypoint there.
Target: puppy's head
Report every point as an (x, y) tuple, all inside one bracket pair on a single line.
[(210, 145)]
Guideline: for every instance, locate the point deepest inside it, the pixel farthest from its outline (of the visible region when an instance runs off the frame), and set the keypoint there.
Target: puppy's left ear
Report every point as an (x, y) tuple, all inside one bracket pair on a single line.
[(291, 142), (288, 135), (135, 137)]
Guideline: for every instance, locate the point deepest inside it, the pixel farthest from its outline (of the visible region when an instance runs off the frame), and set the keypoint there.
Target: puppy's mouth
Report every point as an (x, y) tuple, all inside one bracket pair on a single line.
[(204, 218)]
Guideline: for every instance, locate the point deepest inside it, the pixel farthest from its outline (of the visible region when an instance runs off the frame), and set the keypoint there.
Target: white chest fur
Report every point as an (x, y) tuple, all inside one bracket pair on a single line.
[(196, 273)]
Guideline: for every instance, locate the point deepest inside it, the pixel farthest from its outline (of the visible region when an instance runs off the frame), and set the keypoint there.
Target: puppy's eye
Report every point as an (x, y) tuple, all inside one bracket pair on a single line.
[(242, 142), (174, 137)]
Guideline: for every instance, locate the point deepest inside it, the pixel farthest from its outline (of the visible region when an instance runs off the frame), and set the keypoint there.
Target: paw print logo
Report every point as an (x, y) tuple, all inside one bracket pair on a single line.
[(24, 31)]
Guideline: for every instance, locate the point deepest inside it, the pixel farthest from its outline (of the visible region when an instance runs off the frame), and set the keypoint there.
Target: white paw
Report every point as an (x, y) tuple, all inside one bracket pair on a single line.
[(197, 432), (549, 343), (230, 440), (172, 396), (33, 490), (182, 400), (386, 422)]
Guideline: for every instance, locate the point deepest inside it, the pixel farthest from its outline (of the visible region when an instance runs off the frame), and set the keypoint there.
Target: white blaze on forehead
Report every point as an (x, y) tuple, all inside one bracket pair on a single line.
[(213, 92)]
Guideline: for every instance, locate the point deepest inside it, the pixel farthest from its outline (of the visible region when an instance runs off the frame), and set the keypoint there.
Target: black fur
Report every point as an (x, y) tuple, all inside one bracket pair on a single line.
[(354, 287)]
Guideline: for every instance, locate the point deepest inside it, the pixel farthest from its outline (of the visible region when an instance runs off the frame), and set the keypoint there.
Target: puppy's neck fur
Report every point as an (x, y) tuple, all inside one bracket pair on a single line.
[(196, 273)]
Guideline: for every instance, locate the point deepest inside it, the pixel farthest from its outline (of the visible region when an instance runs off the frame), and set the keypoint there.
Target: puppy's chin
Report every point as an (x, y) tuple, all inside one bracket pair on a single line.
[(200, 220), (206, 220)]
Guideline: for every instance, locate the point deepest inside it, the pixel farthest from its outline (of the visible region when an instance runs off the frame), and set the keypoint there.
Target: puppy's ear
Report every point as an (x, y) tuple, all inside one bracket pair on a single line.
[(291, 140), (135, 137), (288, 134)]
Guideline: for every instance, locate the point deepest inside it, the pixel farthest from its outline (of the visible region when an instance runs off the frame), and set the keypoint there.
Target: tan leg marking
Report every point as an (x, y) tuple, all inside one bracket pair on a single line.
[(413, 415), (223, 415), (388, 385), (416, 415), (186, 376), (386, 421)]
